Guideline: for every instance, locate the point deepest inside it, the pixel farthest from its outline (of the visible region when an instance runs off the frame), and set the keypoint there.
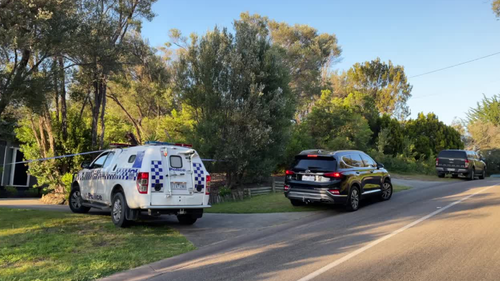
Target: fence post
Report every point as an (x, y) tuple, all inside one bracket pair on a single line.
[(273, 185)]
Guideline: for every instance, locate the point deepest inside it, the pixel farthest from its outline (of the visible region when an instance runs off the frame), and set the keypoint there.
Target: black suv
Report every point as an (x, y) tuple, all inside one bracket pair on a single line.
[(464, 162), (336, 177)]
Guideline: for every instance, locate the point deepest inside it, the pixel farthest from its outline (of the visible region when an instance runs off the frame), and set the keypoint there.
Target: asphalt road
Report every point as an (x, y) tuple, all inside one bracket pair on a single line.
[(442, 231)]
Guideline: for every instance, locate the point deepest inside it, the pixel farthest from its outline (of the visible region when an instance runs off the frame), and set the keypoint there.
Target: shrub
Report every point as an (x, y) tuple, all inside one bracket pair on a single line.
[(405, 164)]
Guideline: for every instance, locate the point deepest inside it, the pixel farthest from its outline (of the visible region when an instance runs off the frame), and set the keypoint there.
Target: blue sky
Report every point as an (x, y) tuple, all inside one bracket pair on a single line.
[(419, 35)]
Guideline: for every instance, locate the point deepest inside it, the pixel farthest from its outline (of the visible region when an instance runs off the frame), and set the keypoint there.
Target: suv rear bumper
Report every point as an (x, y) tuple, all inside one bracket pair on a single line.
[(315, 196), (452, 170)]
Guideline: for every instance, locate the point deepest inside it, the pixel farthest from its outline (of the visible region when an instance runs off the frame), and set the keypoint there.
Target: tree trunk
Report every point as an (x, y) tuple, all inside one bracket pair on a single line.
[(95, 110), (43, 142), (50, 134), (35, 133), (55, 69), (64, 117), (103, 112)]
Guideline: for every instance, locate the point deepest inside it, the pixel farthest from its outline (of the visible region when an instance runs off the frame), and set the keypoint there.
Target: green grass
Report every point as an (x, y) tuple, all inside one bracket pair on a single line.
[(44, 245), (271, 203), (423, 177)]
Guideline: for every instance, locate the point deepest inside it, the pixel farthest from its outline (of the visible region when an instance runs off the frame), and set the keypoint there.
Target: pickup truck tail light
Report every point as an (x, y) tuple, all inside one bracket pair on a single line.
[(207, 188), (288, 172), (437, 162), (466, 163), (142, 182)]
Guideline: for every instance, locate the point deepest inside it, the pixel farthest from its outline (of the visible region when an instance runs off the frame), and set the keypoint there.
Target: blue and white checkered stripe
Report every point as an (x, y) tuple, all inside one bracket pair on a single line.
[(119, 174), (199, 174), (156, 173)]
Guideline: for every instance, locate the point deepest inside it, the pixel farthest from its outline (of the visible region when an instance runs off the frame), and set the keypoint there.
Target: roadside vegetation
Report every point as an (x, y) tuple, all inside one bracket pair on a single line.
[(44, 245), (253, 94), (271, 203)]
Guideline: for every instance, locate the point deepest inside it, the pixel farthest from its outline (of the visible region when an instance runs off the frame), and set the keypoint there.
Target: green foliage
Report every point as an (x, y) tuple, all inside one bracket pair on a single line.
[(495, 6), (238, 88), (224, 190), (335, 125), (30, 32), (492, 160), (11, 191), (404, 164), (385, 83), (430, 136), (487, 111), (49, 172), (67, 180), (384, 137)]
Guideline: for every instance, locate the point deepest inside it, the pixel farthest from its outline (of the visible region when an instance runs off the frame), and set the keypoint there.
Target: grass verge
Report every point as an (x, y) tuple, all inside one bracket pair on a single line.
[(422, 177), (44, 245), (271, 203)]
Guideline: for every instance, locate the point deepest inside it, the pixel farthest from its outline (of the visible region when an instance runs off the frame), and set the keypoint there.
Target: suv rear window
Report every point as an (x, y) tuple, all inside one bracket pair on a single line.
[(452, 154), (315, 165)]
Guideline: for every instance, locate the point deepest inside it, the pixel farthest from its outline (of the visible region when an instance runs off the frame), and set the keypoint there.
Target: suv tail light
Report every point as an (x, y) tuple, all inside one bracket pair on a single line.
[(288, 172), (334, 191), (286, 187), (437, 161), (466, 163), (207, 188), (142, 182), (335, 175)]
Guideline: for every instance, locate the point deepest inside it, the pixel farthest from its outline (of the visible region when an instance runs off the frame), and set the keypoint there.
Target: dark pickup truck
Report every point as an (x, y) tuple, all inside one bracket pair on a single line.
[(460, 162)]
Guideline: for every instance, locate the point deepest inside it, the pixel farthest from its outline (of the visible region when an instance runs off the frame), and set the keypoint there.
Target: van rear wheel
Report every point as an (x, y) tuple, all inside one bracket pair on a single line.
[(119, 208), (186, 219)]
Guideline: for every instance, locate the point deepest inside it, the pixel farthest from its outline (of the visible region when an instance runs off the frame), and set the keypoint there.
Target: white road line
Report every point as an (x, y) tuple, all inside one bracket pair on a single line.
[(370, 245)]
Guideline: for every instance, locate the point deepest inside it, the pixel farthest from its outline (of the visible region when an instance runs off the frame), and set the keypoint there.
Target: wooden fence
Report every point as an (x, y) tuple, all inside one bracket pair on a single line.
[(240, 194)]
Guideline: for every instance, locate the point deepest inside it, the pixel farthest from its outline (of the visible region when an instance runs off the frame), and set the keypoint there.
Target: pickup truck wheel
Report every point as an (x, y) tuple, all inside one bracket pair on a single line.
[(186, 219), (118, 210), (483, 175), (353, 199), (75, 202), (454, 176), (441, 175), (297, 203), (472, 175), (386, 191)]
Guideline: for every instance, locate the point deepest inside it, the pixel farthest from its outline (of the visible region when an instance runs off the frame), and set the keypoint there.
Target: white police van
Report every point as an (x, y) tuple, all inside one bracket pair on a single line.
[(159, 178)]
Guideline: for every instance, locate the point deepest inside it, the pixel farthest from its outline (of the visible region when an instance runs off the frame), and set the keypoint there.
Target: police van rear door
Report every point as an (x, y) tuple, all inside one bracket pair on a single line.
[(173, 186)]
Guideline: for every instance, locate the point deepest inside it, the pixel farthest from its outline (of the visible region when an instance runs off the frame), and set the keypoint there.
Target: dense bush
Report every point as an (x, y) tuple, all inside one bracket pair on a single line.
[(405, 164)]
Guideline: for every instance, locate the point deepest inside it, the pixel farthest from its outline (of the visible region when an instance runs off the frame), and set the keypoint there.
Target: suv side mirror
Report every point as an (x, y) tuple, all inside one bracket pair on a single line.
[(85, 165), (380, 165)]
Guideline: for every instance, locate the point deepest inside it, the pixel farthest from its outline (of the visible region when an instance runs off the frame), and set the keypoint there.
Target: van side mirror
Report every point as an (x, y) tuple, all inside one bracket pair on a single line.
[(380, 165), (85, 165)]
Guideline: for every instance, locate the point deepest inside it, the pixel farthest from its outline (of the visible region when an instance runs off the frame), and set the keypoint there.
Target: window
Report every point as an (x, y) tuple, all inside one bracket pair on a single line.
[(351, 160), (99, 162), (452, 154), (356, 160), (131, 159), (368, 161), (108, 159), (175, 161), (315, 165), (346, 162)]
